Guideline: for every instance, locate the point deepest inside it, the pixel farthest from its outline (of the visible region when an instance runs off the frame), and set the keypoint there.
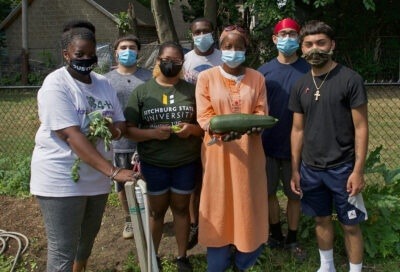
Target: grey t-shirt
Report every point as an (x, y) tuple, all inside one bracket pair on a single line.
[(124, 85)]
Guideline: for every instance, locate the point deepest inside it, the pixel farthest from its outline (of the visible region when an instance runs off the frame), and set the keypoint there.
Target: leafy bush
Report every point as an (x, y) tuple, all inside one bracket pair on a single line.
[(382, 230), (15, 175)]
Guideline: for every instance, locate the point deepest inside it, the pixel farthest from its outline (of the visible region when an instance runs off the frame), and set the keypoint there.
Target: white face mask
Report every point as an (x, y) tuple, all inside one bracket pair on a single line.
[(203, 42)]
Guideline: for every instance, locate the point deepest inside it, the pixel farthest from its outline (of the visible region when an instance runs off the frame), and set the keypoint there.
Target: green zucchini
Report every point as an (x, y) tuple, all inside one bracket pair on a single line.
[(240, 122)]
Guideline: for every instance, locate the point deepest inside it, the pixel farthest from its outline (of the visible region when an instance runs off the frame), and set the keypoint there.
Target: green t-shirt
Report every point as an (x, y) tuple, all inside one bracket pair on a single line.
[(152, 105)]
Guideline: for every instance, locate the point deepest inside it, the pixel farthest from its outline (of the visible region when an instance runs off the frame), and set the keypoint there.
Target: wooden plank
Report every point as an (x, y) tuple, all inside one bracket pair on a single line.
[(151, 254), (138, 230)]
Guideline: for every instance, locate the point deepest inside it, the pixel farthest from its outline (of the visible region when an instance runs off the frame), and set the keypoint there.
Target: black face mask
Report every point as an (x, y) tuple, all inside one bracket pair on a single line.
[(83, 66), (170, 69)]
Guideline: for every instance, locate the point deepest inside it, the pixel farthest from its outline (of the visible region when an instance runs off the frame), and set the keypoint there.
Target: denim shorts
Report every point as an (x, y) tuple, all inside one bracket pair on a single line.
[(180, 180), (324, 189)]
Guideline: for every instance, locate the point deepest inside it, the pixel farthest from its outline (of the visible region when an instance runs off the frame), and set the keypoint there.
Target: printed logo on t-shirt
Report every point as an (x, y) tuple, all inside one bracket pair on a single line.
[(202, 68), (168, 99), (96, 104), (352, 214), (191, 75)]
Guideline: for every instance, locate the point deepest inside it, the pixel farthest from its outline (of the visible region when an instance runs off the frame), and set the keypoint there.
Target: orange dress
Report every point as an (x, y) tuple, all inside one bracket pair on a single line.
[(233, 204)]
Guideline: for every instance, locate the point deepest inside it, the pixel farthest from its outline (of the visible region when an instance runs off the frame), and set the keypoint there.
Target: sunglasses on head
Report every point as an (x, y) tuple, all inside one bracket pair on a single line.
[(233, 27)]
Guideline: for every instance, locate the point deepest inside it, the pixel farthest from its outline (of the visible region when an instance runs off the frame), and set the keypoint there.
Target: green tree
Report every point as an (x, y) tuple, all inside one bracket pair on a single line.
[(164, 22), (6, 6), (226, 11), (364, 29)]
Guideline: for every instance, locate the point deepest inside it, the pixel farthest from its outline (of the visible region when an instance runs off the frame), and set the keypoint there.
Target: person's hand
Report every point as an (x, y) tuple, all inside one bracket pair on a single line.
[(231, 136), (184, 131), (162, 132), (254, 130), (295, 183), (355, 183), (124, 175)]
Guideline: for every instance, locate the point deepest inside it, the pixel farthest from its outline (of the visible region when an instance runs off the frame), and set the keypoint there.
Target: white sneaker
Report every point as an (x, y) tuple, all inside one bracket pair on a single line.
[(128, 231)]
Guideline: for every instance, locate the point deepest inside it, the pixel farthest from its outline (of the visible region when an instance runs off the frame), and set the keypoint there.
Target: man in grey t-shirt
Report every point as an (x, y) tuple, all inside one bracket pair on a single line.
[(125, 78)]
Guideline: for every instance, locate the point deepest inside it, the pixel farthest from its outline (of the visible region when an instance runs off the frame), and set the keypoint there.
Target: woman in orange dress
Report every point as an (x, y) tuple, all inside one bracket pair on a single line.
[(233, 219)]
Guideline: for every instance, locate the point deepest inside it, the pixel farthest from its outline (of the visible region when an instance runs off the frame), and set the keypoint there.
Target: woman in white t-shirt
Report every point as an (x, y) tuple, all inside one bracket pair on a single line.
[(72, 209)]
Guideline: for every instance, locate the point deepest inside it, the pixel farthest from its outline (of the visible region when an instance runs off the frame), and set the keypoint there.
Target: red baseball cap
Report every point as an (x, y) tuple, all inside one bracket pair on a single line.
[(286, 23)]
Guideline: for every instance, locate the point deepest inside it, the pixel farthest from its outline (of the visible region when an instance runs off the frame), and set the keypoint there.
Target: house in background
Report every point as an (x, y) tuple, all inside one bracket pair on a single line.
[(47, 17)]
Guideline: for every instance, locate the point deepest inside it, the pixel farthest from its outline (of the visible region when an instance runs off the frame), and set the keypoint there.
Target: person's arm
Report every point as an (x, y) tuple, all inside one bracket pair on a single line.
[(296, 139), (117, 129), (89, 154), (205, 110), (360, 120), (140, 135)]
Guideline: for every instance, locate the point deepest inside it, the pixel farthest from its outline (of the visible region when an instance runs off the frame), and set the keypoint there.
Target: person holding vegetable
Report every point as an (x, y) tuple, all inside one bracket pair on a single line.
[(126, 77), (280, 74), (73, 103), (233, 217), (329, 143), (161, 118)]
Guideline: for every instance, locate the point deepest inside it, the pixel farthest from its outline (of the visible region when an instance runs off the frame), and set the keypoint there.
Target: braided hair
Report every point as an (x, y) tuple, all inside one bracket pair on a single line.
[(77, 33), (79, 23)]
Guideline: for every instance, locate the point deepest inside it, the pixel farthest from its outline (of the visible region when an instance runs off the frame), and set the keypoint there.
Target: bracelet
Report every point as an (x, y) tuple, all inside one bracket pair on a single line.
[(115, 173), (118, 135)]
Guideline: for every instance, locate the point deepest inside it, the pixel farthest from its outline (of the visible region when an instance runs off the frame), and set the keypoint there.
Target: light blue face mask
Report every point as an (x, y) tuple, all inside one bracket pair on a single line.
[(203, 42), (233, 58), (127, 57), (287, 45)]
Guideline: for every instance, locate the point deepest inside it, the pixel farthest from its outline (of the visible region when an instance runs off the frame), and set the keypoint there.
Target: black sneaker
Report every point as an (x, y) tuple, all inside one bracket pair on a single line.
[(274, 243), (183, 264), (193, 236)]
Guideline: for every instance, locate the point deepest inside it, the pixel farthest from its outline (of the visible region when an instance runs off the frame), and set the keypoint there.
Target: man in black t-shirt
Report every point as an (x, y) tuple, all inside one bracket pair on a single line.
[(329, 142)]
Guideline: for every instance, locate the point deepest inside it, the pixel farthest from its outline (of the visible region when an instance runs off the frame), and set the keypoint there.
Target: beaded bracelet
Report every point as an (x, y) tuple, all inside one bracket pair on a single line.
[(115, 173)]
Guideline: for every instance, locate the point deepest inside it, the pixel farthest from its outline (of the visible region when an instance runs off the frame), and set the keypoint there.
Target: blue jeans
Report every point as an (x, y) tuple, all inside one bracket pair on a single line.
[(220, 258), (72, 224)]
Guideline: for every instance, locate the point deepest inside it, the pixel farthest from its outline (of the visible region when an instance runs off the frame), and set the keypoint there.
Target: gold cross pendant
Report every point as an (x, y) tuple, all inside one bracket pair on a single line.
[(317, 95)]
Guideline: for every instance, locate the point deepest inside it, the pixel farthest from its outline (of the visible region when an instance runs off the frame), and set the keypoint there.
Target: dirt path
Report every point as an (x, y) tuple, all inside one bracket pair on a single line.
[(110, 250)]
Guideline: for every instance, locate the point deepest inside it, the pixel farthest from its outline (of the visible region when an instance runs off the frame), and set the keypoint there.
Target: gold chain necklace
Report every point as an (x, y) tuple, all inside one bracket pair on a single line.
[(317, 93)]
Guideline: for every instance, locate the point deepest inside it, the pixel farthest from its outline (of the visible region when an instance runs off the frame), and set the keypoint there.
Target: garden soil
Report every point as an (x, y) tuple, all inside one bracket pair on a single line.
[(110, 251)]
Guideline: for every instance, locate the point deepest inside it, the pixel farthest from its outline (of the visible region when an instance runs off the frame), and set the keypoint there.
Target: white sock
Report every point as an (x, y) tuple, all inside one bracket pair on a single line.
[(327, 264), (355, 267)]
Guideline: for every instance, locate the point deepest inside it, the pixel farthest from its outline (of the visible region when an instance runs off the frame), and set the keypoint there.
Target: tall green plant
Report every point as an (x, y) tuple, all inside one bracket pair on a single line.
[(15, 175), (382, 230)]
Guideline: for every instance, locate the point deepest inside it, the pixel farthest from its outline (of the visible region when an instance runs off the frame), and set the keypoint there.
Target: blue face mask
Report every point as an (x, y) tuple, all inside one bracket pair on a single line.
[(233, 58), (127, 57), (287, 45), (203, 42)]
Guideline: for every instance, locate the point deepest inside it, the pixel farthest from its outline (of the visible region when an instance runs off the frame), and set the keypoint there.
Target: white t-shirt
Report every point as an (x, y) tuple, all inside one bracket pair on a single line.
[(64, 102), (194, 64)]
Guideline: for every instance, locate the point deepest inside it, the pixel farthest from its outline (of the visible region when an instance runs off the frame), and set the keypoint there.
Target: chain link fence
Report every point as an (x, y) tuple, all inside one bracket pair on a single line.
[(19, 121)]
